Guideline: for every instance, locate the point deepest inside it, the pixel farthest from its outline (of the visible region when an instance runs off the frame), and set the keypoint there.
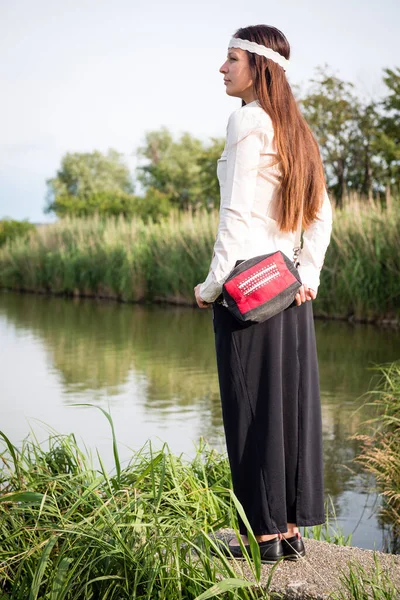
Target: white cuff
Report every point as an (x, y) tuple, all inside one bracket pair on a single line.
[(210, 289), (310, 276)]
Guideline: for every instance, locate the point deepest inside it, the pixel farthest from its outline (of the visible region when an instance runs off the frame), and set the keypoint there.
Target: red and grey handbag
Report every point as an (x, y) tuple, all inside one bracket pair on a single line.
[(260, 287)]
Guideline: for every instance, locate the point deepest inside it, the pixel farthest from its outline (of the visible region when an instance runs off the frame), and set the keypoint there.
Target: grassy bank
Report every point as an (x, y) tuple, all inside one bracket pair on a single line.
[(114, 258), (381, 448), (70, 531), (129, 261)]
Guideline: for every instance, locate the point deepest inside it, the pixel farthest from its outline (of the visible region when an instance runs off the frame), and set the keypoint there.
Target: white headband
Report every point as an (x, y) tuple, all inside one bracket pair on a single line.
[(259, 49)]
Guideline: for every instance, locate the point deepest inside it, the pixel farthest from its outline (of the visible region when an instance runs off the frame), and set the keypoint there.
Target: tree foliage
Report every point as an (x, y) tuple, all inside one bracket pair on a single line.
[(11, 229), (389, 125), (154, 205), (185, 170), (358, 139), (85, 175)]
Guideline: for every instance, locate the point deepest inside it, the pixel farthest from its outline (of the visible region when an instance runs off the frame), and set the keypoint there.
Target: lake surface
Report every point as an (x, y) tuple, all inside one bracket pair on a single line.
[(153, 367)]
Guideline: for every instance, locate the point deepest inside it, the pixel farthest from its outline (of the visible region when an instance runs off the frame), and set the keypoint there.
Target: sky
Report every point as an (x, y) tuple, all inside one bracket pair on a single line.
[(88, 75)]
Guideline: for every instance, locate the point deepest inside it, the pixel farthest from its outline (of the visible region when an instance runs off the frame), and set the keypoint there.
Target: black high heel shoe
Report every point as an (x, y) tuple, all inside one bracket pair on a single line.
[(271, 550)]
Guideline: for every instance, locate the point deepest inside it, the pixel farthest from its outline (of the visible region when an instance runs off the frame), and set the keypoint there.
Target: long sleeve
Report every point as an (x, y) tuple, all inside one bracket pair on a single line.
[(315, 243), (244, 142)]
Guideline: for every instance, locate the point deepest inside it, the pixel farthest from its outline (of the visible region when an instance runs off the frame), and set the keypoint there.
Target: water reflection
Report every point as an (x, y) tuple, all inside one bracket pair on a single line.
[(157, 365)]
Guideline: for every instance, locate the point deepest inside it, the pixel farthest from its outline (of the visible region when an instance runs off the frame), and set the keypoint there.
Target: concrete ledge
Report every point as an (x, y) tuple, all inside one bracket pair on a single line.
[(317, 575)]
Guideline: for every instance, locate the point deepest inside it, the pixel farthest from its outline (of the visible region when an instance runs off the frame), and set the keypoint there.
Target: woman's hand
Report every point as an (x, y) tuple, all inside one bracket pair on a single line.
[(200, 302), (305, 293)]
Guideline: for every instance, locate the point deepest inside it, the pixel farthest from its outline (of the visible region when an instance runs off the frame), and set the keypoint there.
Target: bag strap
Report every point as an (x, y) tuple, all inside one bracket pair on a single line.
[(297, 240)]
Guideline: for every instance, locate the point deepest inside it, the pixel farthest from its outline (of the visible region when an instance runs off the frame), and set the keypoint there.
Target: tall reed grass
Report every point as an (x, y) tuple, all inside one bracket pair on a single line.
[(380, 452), (69, 531), (361, 275), (130, 261), (113, 258)]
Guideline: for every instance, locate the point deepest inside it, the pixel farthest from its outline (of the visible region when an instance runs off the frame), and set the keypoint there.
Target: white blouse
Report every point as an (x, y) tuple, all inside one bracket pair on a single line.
[(248, 184)]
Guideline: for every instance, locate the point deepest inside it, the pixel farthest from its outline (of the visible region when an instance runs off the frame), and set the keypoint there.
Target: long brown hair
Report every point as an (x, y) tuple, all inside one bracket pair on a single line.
[(302, 174)]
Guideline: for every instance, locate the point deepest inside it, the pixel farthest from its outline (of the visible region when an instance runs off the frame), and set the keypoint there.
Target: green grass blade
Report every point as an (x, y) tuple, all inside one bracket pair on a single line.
[(38, 576), (24, 497), (224, 586), (59, 579), (13, 451), (114, 438), (254, 547)]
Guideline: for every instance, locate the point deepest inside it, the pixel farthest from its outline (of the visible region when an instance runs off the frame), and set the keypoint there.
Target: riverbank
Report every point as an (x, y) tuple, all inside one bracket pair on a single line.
[(128, 261), (330, 572), (146, 530), (390, 321)]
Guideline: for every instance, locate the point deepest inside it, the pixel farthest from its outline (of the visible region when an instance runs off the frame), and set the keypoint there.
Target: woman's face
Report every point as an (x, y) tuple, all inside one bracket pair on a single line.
[(237, 75)]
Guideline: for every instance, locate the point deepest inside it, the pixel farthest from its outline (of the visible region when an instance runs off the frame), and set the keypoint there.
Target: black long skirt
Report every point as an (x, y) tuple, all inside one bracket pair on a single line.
[(269, 387)]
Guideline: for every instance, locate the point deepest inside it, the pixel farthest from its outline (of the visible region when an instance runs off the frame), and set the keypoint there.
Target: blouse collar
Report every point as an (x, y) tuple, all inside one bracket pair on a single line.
[(253, 103)]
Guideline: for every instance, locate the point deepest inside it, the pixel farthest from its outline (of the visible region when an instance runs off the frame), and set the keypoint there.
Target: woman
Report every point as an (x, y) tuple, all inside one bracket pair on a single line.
[(270, 176)]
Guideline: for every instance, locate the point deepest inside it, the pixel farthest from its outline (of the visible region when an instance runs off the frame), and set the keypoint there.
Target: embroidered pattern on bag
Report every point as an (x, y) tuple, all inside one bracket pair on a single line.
[(259, 279)]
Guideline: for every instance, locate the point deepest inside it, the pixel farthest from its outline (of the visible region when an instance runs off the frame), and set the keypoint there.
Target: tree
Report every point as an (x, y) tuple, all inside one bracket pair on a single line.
[(153, 206), (85, 176), (365, 167), (207, 162), (11, 229), (103, 203), (184, 170), (359, 140), (390, 127), (331, 109)]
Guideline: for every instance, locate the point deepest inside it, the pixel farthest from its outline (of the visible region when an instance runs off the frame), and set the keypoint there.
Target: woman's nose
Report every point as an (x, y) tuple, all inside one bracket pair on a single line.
[(223, 68)]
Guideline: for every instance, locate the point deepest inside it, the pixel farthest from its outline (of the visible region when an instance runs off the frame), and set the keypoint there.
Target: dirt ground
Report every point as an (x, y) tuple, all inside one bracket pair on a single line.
[(318, 574)]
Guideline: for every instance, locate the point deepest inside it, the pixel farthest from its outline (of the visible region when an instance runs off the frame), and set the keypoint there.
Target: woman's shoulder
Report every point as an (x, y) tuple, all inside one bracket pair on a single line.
[(247, 118)]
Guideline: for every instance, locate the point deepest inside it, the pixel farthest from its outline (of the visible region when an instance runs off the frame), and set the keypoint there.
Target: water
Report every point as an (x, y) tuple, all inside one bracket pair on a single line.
[(154, 368)]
